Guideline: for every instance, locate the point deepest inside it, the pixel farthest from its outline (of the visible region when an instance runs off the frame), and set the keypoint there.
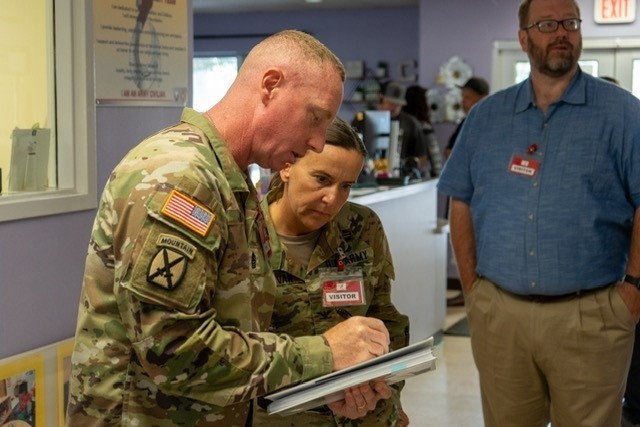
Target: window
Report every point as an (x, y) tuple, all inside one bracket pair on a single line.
[(26, 91), (47, 137), (212, 76)]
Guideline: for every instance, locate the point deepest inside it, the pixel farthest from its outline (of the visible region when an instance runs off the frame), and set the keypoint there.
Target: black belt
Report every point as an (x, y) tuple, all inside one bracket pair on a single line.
[(558, 298)]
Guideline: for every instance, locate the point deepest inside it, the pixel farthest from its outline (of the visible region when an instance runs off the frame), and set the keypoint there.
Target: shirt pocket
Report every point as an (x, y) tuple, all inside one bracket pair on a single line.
[(588, 164)]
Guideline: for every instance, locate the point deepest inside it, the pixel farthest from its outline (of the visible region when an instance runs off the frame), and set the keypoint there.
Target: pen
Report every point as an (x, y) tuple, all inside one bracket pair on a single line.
[(344, 313)]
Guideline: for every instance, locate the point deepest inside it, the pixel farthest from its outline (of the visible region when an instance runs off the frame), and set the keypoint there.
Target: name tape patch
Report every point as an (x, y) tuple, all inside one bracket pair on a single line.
[(178, 244)]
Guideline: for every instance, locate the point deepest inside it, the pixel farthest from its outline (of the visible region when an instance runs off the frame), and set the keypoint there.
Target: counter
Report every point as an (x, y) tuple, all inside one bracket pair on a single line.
[(418, 243)]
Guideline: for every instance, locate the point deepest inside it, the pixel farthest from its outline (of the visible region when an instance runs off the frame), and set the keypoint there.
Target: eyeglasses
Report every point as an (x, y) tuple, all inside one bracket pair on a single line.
[(551, 25)]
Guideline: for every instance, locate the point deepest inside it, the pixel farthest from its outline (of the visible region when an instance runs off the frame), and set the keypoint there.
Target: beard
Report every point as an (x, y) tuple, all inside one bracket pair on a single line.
[(551, 62)]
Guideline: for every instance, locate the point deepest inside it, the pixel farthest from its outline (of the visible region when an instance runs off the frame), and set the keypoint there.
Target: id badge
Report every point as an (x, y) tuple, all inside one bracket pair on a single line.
[(524, 166), (342, 288)]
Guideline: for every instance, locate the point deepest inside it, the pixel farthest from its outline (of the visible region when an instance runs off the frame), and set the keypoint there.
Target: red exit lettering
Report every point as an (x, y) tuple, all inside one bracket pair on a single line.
[(612, 9)]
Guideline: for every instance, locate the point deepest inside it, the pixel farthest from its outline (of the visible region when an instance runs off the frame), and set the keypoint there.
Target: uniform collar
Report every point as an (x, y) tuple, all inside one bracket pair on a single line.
[(329, 241), (236, 177), (277, 255)]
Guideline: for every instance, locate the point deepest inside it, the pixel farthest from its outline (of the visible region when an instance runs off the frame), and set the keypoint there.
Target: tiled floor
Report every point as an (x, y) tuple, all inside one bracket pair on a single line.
[(450, 395)]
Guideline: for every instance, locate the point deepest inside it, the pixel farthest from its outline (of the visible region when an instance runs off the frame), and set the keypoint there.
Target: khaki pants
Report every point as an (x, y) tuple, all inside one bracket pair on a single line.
[(563, 361)]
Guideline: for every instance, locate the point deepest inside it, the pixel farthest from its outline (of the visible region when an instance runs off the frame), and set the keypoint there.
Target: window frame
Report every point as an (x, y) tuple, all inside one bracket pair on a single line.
[(75, 119)]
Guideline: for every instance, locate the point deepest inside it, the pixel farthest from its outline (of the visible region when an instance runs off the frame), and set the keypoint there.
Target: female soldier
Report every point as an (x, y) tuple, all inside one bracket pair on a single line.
[(332, 261)]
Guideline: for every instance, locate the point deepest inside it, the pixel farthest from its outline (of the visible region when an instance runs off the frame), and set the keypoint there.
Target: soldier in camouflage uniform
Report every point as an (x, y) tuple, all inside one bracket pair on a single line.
[(177, 294), (312, 228)]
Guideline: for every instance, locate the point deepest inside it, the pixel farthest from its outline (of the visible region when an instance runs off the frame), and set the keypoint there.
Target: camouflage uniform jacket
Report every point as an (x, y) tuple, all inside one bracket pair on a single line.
[(299, 311), (177, 294)]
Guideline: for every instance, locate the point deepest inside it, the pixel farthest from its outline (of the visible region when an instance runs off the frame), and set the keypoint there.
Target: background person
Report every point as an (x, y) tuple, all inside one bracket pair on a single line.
[(177, 295), (544, 223), (473, 91), (392, 99), (312, 227), (418, 107)]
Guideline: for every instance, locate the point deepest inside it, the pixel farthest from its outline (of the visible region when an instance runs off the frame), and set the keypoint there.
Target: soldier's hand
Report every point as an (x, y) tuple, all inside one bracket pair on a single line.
[(360, 400), (357, 339)]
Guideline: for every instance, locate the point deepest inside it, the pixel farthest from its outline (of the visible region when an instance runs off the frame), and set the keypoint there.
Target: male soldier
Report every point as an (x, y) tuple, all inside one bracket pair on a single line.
[(177, 291)]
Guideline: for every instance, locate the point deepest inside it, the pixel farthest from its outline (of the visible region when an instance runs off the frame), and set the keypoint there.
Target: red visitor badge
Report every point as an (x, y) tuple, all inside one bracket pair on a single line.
[(523, 166), (342, 292)]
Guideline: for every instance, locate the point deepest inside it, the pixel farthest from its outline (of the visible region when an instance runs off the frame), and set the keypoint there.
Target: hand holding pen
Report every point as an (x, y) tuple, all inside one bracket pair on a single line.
[(357, 339)]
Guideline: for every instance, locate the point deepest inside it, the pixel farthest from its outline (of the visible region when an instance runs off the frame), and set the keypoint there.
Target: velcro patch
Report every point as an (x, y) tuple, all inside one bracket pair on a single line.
[(167, 268), (189, 213)]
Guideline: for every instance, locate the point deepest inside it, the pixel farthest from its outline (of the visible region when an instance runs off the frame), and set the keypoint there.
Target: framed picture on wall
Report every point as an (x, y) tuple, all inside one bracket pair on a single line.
[(22, 392), (64, 350)]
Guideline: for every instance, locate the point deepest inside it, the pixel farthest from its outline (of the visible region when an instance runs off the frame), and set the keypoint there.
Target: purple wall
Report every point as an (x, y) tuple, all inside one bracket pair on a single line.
[(370, 35), (467, 35), (41, 263)]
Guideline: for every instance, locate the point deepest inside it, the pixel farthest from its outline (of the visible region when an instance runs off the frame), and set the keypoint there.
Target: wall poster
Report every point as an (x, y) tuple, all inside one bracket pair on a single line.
[(141, 52), (22, 392)]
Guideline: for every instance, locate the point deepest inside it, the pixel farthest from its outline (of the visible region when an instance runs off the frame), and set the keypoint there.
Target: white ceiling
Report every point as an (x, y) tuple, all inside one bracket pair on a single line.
[(235, 6)]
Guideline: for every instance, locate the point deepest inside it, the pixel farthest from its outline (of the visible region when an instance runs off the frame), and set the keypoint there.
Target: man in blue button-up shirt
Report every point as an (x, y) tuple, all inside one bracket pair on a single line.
[(545, 185)]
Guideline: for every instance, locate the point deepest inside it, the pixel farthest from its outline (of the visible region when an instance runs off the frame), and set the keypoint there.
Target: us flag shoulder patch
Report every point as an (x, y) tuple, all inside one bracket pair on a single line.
[(188, 212)]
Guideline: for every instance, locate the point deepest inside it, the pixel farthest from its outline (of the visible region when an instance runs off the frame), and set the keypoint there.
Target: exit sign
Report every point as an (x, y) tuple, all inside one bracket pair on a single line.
[(614, 11)]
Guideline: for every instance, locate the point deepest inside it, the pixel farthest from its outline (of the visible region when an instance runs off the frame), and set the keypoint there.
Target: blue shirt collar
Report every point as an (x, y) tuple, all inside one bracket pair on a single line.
[(576, 93)]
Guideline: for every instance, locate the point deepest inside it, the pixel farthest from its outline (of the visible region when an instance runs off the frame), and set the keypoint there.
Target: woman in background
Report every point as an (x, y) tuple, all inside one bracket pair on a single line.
[(317, 236), (417, 106)]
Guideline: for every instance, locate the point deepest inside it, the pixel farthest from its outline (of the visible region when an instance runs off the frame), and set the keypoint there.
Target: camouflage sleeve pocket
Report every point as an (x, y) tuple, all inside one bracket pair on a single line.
[(169, 270), (169, 266)]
